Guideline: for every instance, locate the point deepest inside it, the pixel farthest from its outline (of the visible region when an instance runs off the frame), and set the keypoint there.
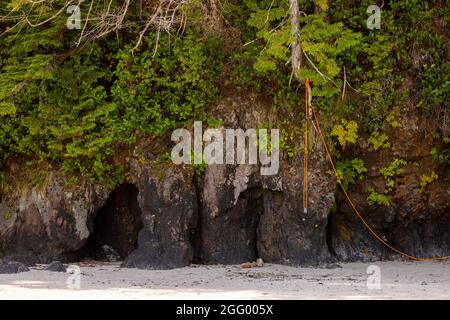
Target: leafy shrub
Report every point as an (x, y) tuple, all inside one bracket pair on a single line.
[(79, 111), (380, 199), (427, 179), (349, 170), (391, 171), (346, 132), (379, 140), (441, 157)]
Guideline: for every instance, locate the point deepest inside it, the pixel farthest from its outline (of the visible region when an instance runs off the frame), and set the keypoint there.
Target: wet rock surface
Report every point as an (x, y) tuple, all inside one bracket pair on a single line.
[(13, 267), (56, 266)]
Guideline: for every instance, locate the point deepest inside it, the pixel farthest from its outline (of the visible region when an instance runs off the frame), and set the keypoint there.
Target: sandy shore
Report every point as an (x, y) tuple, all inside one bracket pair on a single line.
[(399, 280)]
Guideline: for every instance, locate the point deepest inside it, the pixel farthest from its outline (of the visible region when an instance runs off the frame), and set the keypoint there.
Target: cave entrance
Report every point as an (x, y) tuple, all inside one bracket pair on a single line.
[(116, 226), (249, 208), (232, 237)]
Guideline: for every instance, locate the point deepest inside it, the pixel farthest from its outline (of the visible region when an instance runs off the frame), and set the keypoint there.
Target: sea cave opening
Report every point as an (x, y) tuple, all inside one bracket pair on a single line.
[(115, 227)]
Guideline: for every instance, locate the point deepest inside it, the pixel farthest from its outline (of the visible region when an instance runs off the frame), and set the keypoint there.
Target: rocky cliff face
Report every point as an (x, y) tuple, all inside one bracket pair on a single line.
[(417, 221), (232, 213), (167, 198), (245, 215), (38, 224)]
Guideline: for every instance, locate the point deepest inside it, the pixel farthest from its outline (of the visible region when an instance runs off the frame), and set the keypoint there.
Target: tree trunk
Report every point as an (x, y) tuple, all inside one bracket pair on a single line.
[(296, 54)]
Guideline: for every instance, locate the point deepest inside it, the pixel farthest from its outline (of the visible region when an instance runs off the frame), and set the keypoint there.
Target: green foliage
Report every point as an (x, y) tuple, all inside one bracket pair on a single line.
[(276, 84), (427, 179), (379, 140), (78, 107), (380, 199), (442, 157), (159, 93), (391, 118), (324, 43), (392, 170), (436, 87), (346, 132), (59, 111), (200, 168), (350, 170), (435, 80), (290, 135), (408, 38), (376, 61)]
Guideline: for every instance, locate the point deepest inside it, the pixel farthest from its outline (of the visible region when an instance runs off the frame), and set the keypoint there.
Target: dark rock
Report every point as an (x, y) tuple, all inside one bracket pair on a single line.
[(333, 266), (230, 216), (13, 267), (115, 227), (56, 266), (168, 202), (27, 260), (111, 254), (286, 234), (44, 223), (245, 215), (56, 222)]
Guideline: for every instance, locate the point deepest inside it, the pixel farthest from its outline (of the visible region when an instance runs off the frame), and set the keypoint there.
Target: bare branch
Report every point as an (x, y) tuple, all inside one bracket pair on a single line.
[(104, 18), (149, 23), (49, 19), (318, 71), (85, 24)]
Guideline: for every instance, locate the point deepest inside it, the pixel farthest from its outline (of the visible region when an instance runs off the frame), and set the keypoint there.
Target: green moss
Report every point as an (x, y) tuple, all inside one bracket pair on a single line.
[(427, 179), (7, 216), (379, 140)]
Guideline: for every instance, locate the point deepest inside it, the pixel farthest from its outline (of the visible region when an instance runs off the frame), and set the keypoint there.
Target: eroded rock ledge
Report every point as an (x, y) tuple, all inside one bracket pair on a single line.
[(233, 215)]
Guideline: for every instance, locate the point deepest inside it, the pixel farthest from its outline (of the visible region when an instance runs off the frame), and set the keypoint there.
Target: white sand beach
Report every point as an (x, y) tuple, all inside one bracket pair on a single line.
[(399, 280)]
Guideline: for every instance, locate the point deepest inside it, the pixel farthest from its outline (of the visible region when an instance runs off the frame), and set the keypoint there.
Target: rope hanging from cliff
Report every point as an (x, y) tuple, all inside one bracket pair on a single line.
[(310, 111)]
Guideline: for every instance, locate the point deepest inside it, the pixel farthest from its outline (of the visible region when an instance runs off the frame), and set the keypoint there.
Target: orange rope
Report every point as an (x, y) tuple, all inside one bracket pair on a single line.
[(330, 158)]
